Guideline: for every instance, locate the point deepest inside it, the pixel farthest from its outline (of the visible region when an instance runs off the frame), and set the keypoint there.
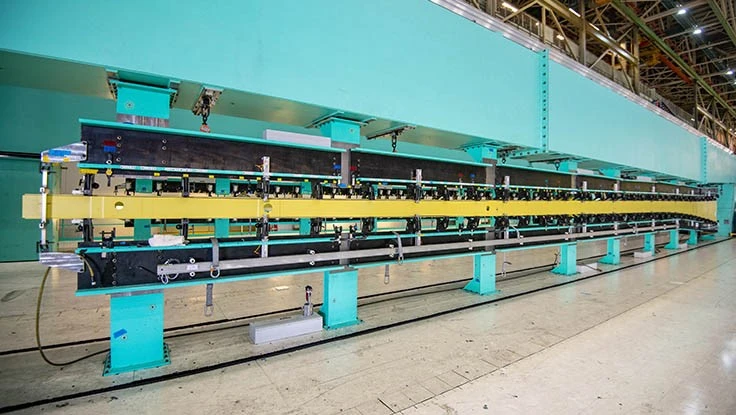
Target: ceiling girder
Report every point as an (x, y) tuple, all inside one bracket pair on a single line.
[(649, 33)]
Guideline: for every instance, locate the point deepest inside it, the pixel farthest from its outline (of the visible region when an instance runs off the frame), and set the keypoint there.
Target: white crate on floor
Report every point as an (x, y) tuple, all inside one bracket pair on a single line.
[(284, 328)]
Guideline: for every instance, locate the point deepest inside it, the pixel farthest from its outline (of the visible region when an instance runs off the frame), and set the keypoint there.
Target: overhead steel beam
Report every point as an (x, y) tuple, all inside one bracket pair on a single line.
[(672, 11), (563, 11), (662, 45), (723, 21)]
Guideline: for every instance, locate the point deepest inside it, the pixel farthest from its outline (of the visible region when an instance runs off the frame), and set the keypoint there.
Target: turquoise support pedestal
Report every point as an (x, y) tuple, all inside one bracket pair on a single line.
[(568, 260), (725, 209), (484, 275), (613, 252), (693, 238), (142, 227), (674, 242), (136, 333), (649, 243), (340, 303)]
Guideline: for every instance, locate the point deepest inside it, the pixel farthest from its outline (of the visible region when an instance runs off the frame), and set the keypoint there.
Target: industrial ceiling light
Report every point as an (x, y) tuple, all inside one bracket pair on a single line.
[(697, 31), (729, 72), (509, 6), (560, 37), (681, 11)]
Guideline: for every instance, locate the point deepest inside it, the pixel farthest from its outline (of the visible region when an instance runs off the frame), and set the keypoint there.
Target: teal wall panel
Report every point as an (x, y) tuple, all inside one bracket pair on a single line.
[(405, 60), (18, 237), (590, 120), (721, 165)]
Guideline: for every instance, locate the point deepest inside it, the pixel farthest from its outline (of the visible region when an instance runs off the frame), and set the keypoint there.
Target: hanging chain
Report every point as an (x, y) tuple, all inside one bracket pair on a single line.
[(394, 140), (205, 114)]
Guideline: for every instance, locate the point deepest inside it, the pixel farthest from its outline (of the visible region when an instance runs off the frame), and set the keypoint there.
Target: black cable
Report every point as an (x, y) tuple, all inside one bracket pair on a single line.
[(38, 333)]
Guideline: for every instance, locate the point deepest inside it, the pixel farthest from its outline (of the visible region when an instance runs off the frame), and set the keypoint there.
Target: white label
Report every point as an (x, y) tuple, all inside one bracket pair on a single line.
[(192, 267)]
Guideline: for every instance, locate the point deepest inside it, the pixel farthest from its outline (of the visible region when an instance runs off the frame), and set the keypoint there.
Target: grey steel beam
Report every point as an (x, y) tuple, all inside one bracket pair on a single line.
[(563, 11), (670, 12), (723, 21), (662, 45)]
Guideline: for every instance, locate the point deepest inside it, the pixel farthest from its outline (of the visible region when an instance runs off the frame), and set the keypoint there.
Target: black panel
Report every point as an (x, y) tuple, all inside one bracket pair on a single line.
[(397, 167), (524, 177), (107, 145), (595, 183)]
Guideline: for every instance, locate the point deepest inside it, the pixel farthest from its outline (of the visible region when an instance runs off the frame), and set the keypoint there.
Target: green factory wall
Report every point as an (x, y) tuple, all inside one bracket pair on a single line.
[(406, 60), (592, 121)]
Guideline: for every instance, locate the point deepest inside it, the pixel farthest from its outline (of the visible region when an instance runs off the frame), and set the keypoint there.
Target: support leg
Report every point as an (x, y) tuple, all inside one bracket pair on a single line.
[(568, 260), (649, 243), (340, 302), (136, 333), (693, 238), (484, 275), (674, 242), (613, 252)]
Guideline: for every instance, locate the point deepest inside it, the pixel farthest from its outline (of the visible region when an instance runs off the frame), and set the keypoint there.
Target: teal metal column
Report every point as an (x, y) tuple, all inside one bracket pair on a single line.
[(304, 223), (340, 302), (136, 333), (222, 226), (725, 212), (649, 243), (613, 252), (674, 242), (484, 275), (693, 238), (148, 105), (137, 319), (142, 227), (568, 260)]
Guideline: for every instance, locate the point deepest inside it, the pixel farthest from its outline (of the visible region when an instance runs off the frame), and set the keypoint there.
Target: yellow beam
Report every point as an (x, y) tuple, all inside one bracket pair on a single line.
[(154, 207)]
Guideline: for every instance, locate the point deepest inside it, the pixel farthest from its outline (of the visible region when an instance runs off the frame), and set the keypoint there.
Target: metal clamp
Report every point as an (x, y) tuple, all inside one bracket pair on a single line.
[(215, 266)]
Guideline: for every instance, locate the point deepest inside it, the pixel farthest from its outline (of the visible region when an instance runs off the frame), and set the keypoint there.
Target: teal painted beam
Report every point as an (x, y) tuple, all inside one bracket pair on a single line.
[(591, 121), (300, 53)]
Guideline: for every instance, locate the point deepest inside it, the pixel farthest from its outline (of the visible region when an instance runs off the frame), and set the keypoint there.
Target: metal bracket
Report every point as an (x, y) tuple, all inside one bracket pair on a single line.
[(215, 265), (212, 93)]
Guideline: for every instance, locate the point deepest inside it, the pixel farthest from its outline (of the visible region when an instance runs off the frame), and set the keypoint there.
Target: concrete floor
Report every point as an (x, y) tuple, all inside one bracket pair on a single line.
[(656, 338)]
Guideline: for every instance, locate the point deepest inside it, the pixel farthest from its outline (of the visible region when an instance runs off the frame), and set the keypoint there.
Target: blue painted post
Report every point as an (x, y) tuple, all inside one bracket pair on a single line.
[(484, 275), (613, 252), (674, 242), (568, 260), (136, 333), (693, 238), (340, 300), (649, 242)]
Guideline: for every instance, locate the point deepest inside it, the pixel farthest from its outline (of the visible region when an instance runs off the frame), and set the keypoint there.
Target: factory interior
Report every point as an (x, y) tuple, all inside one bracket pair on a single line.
[(368, 207)]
